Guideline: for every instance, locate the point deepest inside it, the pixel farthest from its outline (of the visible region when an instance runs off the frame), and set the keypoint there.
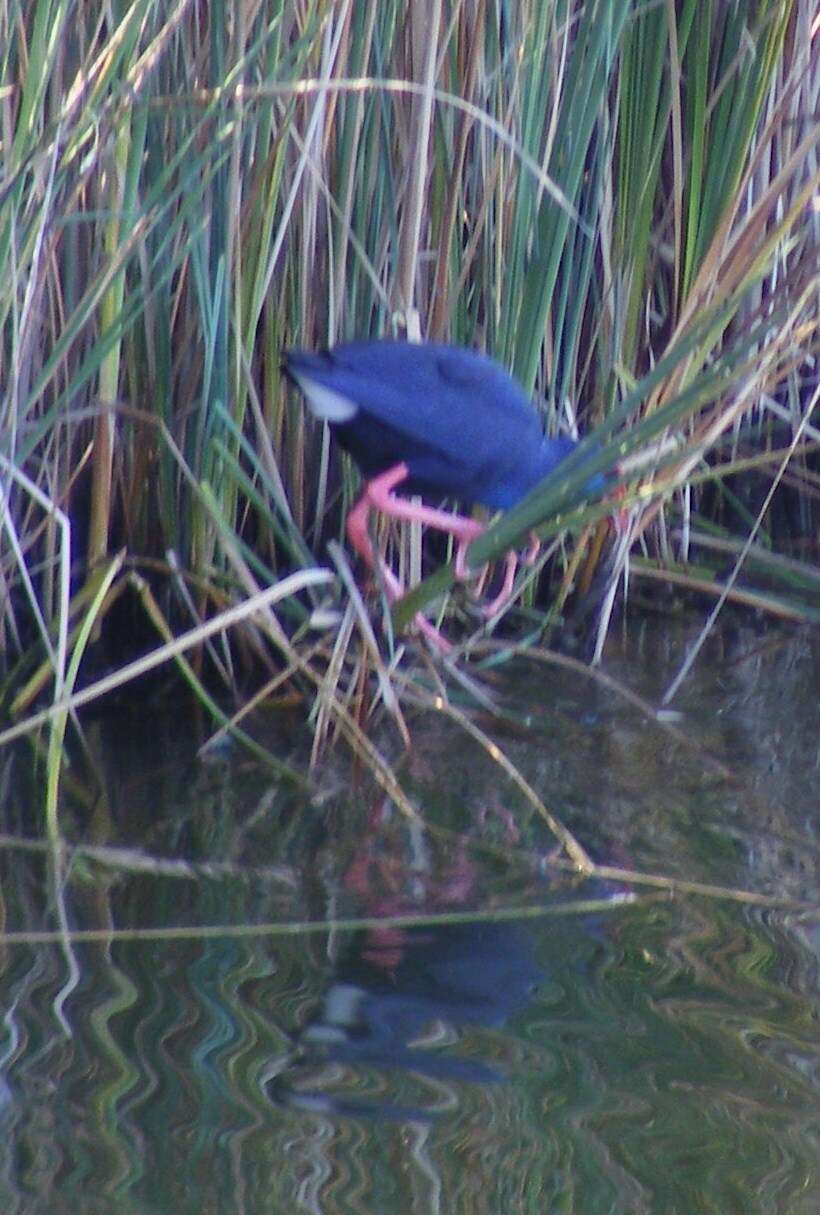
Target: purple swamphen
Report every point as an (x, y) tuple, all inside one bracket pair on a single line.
[(435, 421)]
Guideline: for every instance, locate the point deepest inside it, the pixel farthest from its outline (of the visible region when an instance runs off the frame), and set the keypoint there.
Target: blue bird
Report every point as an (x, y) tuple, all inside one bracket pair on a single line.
[(436, 421)]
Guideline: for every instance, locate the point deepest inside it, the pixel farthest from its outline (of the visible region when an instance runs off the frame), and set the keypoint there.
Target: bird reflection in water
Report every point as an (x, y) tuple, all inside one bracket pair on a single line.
[(400, 993)]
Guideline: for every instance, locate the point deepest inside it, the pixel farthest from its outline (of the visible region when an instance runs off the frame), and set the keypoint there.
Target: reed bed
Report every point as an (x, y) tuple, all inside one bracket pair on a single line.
[(618, 200)]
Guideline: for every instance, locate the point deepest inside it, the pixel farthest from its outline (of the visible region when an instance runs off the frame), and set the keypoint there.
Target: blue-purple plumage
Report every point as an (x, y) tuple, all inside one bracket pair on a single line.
[(463, 427)]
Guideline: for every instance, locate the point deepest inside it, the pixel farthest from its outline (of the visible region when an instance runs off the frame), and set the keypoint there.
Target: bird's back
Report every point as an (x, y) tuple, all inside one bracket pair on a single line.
[(460, 423)]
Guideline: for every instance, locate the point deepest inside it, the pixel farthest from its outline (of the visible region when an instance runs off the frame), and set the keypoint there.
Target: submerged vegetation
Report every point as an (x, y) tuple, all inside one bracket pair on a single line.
[(618, 200)]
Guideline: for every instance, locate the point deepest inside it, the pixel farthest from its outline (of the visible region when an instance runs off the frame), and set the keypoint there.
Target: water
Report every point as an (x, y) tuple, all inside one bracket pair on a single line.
[(514, 1039)]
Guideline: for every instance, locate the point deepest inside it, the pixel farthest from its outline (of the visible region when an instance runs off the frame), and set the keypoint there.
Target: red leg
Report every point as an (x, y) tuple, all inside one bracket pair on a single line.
[(510, 566), (511, 561), (463, 572), (534, 549), (359, 537), (357, 533), (380, 493), (464, 529)]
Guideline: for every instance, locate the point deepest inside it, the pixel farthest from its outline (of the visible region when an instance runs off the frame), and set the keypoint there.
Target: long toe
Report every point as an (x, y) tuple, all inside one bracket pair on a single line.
[(505, 594)]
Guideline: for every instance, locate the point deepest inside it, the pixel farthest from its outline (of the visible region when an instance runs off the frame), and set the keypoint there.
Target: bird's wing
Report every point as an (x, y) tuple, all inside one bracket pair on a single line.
[(454, 400)]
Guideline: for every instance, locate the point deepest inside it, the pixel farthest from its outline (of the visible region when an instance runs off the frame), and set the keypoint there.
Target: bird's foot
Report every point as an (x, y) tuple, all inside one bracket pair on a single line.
[(531, 555), (393, 590), (505, 594)]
